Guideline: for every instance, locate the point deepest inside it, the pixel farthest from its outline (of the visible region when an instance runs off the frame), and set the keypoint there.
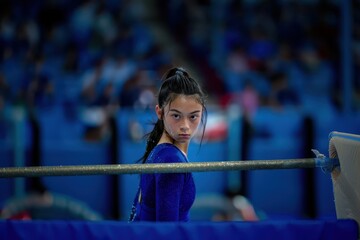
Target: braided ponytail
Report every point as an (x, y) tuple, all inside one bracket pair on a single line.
[(153, 138)]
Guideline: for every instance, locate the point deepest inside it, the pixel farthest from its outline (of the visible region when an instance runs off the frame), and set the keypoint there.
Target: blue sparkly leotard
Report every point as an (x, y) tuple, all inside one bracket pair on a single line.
[(164, 196)]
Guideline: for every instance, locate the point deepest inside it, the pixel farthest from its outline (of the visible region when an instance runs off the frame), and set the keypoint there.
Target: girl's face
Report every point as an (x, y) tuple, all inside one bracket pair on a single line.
[(181, 118)]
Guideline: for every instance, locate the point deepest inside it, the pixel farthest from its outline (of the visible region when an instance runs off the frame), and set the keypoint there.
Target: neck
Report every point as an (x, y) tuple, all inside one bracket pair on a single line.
[(183, 147), (165, 138)]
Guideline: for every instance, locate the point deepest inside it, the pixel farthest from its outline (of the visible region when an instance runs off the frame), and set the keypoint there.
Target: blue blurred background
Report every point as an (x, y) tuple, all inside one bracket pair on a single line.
[(78, 84)]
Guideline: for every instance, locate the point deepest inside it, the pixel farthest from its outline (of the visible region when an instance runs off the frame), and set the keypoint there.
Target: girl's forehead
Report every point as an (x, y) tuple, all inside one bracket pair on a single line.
[(186, 102)]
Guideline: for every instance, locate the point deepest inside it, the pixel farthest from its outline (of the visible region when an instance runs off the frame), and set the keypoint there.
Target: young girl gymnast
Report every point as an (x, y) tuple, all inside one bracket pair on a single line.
[(181, 111)]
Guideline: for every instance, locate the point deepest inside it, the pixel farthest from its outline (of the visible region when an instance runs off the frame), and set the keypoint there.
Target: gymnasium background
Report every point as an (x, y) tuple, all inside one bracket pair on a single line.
[(78, 84)]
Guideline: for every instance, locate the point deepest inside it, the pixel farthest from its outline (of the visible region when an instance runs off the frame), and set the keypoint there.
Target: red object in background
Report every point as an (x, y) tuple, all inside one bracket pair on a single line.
[(217, 132), (21, 216)]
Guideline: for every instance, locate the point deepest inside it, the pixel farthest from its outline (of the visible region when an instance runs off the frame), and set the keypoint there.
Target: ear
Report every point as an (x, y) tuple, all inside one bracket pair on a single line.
[(158, 112)]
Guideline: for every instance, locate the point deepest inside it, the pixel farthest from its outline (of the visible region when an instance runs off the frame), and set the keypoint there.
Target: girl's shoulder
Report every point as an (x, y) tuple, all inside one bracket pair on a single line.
[(166, 153)]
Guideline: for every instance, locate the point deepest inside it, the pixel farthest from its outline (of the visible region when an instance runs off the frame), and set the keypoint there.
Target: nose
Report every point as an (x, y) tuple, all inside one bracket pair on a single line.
[(184, 127)]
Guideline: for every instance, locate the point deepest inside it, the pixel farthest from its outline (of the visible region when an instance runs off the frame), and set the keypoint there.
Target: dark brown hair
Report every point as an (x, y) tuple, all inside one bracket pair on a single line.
[(175, 82)]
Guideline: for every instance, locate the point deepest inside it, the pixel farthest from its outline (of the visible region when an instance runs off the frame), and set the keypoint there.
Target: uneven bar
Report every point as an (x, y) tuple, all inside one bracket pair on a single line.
[(77, 170)]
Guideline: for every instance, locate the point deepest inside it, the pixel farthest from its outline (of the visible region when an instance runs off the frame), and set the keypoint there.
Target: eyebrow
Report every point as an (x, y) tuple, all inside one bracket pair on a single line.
[(174, 110)]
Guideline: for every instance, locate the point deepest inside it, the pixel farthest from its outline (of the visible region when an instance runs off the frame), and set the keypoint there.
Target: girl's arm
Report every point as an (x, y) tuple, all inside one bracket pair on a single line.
[(168, 192)]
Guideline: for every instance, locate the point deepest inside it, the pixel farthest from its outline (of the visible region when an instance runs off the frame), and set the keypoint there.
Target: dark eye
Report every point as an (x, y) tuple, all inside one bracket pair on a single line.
[(194, 117), (176, 116)]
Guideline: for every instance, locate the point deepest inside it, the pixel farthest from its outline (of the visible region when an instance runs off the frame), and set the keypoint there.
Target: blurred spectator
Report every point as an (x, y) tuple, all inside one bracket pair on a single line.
[(93, 114), (7, 33), (238, 60), (5, 91), (262, 46), (38, 88), (313, 79), (104, 27), (81, 22), (138, 91), (119, 70), (4, 103), (71, 60), (130, 92), (281, 94), (40, 92), (237, 68), (283, 59), (248, 99)]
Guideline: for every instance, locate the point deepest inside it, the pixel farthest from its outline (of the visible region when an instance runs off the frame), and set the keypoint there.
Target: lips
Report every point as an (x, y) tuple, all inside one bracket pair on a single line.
[(184, 136)]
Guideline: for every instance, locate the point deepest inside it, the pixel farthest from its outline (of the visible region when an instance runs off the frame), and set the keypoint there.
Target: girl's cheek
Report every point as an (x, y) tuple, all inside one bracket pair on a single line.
[(170, 129)]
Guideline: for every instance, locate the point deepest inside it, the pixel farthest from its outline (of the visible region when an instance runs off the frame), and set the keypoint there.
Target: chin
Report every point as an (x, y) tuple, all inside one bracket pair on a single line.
[(183, 141)]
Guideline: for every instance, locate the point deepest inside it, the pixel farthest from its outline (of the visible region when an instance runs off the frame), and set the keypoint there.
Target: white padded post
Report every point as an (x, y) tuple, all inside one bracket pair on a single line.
[(346, 180)]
